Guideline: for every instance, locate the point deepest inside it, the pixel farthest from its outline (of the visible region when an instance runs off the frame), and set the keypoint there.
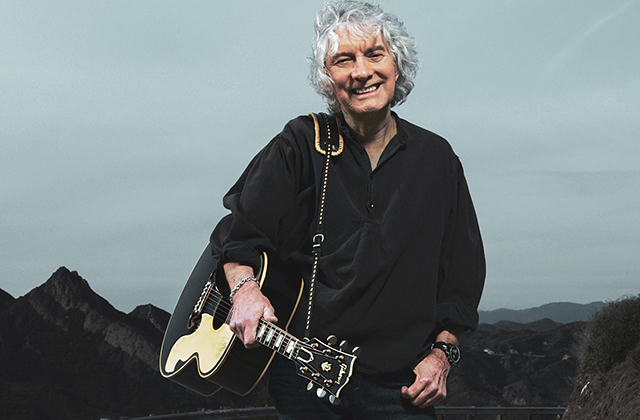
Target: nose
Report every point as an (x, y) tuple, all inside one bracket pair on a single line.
[(361, 69)]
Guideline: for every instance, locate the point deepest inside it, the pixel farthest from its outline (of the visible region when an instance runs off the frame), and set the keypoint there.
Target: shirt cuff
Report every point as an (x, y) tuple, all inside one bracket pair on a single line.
[(242, 255), (448, 313)]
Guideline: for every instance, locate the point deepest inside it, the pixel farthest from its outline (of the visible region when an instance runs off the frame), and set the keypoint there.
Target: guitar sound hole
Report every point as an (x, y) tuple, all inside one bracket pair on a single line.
[(220, 314), (218, 307), (218, 320)]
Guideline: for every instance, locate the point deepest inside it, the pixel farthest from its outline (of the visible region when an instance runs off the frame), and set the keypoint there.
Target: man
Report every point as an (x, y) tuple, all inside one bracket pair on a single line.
[(402, 263)]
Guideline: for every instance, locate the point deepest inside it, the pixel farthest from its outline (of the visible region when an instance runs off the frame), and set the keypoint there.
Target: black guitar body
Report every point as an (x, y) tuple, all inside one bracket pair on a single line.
[(231, 365)]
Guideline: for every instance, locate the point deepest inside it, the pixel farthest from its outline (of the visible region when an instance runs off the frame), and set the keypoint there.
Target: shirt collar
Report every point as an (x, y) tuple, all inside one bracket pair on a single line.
[(400, 137)]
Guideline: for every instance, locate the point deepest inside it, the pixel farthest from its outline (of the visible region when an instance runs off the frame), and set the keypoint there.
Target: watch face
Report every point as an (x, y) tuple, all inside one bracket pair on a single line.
[(452, 352), (455, 354)]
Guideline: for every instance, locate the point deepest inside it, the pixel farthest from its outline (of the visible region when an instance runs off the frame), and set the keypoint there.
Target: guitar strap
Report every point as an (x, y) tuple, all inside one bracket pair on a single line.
[(328, 142)]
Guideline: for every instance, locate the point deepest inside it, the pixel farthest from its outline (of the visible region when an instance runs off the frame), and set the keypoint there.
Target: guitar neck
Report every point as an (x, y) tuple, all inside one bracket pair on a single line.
[(274, 337)]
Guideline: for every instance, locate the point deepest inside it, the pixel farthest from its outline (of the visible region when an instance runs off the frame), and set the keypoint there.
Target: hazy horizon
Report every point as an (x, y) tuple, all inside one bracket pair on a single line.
[(169, 310)]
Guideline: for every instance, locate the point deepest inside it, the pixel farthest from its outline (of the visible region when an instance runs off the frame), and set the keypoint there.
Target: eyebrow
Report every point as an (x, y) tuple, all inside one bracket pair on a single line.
[(377, 47)]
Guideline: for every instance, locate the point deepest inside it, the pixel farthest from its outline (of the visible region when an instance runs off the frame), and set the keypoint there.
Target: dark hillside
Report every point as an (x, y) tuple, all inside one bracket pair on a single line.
[(608, 383), (5, 300), (515, 368), (561, 312), (66, 353)]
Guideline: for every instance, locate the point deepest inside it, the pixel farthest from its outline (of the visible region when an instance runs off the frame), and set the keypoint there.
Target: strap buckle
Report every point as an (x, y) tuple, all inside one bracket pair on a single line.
[(318, 238)]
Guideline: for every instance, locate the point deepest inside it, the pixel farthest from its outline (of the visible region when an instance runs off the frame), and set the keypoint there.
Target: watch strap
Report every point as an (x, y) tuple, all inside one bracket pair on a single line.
[(450, 350)]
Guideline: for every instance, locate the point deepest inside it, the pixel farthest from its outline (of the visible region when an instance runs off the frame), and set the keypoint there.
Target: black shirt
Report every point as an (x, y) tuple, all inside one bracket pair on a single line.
[(402, 255)]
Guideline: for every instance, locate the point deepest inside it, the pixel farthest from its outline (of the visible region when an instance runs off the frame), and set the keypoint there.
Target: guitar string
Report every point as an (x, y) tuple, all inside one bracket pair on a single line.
[(214, 302)]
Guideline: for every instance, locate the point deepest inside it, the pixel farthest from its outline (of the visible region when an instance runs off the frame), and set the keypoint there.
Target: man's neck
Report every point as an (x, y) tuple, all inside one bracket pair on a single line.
[(371, 128), (374, 131)]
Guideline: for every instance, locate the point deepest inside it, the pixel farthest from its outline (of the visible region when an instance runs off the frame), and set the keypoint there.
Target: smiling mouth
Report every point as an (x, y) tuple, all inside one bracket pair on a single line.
[(369, 89)]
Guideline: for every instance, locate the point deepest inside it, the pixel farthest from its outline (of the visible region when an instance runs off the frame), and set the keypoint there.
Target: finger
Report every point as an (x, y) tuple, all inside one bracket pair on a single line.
[(421, 393), (433, 398), (240, 329), (416, 388), (409, 393), (269, 314), (249, 336), (248, 341), (422, 400)]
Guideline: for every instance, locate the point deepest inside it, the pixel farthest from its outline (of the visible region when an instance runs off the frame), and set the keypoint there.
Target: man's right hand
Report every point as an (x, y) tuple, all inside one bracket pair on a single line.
[(249, 305)]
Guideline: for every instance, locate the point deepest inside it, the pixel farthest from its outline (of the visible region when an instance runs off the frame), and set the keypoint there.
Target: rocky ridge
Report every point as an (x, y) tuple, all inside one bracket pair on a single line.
[(65, 352)]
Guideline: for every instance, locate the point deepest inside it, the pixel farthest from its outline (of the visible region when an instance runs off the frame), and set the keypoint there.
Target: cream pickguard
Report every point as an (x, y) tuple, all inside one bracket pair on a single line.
[(206, 346)]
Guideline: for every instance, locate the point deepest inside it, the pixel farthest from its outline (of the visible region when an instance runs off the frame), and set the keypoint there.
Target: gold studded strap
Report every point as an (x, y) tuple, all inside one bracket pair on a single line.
[(327, 129)]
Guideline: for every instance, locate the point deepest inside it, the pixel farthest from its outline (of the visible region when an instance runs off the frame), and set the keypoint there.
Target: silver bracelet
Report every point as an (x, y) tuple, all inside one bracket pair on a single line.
[(239, 285)]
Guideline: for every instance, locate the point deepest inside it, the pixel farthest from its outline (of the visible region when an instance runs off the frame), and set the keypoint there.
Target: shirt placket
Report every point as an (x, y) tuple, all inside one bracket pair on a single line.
[(371, 195)]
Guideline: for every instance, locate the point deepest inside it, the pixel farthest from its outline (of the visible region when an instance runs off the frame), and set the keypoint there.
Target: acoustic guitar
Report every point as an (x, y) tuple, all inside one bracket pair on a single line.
[(200, 352)]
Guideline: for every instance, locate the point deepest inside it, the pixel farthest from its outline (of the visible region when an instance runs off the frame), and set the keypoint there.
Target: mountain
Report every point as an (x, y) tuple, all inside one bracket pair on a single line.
[(5, 299), (540, 325), (515, 367), (65, 352), (561, 312)]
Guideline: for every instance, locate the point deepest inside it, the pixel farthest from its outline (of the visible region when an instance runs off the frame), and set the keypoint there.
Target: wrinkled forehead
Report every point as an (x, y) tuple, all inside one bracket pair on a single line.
[(353, 34)]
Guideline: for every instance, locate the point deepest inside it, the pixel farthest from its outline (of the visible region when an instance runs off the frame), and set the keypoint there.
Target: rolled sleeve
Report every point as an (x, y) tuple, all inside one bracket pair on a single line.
[(463, 266), (262, 204)]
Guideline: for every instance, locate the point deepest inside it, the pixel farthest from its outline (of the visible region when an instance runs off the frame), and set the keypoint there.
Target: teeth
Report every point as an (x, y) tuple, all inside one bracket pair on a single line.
[(366, 90)]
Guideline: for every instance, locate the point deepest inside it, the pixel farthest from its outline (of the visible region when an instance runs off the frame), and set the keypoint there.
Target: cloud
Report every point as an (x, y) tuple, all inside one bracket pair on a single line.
[(563, 57)]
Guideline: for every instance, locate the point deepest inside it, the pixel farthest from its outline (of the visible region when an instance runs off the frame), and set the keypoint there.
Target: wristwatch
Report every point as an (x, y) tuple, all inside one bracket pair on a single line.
[(451, 351)]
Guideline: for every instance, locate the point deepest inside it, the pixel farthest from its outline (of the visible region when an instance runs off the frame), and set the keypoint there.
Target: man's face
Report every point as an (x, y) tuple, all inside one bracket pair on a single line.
[(363, 73)]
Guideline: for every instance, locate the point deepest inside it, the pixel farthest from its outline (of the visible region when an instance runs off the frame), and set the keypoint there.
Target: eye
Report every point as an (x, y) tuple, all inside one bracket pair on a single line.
[(342, 61)]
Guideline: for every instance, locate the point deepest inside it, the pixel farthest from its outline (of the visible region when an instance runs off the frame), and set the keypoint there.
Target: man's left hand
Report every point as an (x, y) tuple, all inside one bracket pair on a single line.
[(430, 386)]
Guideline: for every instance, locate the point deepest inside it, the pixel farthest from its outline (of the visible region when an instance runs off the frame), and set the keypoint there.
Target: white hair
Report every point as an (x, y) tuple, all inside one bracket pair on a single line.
[(362, 20)]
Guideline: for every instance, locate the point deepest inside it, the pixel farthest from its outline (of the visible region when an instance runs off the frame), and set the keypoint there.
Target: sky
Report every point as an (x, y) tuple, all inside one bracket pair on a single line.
[(123, 124)]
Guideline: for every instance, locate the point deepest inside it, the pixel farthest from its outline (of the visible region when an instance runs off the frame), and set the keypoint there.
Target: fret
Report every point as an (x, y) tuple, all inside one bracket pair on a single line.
[(289, 349), (263, 327), (279, 341), (275, 338), (270, 335)]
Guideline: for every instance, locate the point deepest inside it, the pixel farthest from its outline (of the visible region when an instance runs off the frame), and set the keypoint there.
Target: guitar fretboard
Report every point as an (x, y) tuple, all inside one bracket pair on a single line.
[(276, 338)]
